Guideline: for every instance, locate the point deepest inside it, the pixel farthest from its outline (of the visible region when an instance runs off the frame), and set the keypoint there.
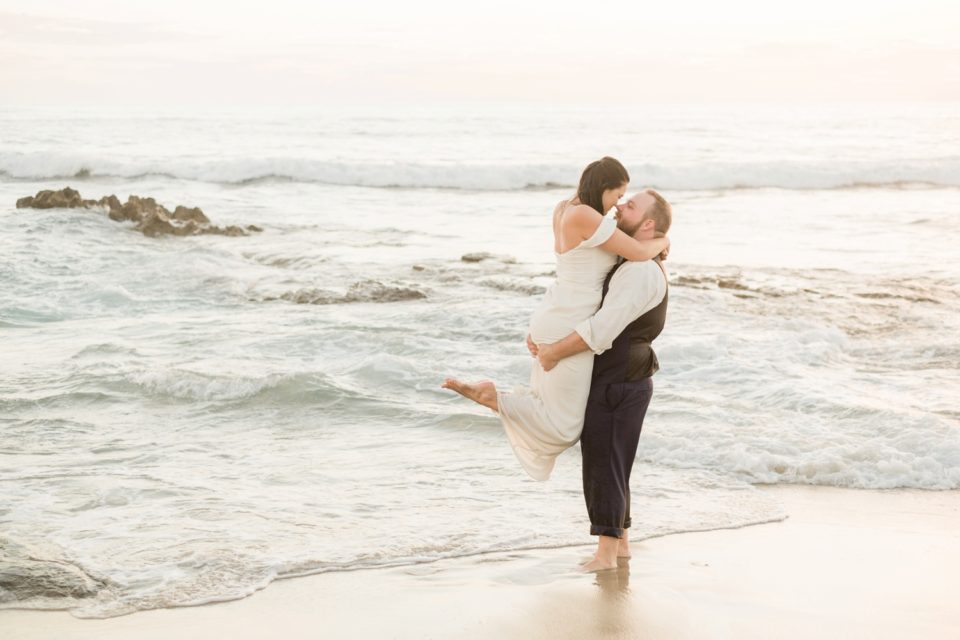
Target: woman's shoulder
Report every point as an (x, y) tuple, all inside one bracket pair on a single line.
[(575, 209), (566, 206), (581, 215)]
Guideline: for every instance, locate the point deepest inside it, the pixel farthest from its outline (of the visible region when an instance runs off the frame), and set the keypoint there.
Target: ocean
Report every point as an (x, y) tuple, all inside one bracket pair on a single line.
[(185, 419)]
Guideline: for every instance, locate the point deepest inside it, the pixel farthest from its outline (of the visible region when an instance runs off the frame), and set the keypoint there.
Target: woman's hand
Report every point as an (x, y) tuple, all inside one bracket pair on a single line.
[(532, 346), (635, 249), (663, 254), (547, 357)]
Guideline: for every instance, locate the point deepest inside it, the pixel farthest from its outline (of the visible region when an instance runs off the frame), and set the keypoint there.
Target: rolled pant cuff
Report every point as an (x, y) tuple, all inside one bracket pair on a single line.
[(613, 532)]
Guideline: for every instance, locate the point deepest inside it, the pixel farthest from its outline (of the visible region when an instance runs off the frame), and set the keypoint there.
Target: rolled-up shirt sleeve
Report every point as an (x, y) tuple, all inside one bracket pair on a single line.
[(634, 289)]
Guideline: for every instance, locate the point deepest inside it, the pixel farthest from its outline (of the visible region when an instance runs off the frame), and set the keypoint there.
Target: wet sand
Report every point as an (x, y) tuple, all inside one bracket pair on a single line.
[(845, 564)]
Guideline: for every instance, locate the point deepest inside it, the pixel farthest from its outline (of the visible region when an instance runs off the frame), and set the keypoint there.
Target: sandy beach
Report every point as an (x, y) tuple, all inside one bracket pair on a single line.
[(845, 564)]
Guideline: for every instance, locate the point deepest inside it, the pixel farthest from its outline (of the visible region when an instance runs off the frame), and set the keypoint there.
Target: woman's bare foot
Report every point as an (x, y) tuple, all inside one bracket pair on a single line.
[(484, 393)]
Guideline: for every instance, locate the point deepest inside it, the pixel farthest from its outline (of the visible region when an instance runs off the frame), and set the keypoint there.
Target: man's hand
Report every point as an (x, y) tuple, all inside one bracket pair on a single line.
[(547, 357), (532, 346)]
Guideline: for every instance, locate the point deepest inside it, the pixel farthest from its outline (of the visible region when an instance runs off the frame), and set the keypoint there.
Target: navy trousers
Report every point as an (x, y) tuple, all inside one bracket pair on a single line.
[(611, 432)]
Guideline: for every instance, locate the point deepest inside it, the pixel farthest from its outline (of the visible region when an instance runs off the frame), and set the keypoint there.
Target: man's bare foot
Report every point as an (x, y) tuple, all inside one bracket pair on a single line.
[(623, 549), (597, 564), (606, 555), (484, 393)]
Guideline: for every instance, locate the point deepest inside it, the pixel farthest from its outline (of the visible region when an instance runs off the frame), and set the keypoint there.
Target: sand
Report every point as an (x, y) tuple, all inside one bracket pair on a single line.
[(845, 564)]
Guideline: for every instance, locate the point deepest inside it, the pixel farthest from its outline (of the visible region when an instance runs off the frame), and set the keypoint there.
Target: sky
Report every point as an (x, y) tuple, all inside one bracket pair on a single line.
[(286, 52)]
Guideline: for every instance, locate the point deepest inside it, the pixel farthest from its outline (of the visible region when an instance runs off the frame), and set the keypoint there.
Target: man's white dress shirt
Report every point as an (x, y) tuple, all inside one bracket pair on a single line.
[(635, 288)]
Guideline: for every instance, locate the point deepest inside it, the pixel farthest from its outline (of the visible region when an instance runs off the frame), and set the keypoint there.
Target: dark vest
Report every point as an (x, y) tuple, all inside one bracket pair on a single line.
[(631, 357)]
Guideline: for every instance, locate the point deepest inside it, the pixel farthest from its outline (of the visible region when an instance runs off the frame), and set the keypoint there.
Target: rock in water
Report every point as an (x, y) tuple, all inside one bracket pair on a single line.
[(110, 203), (129, 211), (156, 223), (480, 256), (310, 296), (43, 579), (152, 218), (64, 199), (374, 291), (365, 291), (194, 214), (24, 575), (232, 230)]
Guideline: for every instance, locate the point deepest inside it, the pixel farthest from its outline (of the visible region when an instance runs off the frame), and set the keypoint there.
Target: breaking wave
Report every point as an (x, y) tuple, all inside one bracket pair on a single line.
[(839, 174)]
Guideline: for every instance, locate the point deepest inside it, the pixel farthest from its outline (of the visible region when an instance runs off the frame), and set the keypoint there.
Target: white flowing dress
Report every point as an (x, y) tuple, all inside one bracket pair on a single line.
[(545, 420)]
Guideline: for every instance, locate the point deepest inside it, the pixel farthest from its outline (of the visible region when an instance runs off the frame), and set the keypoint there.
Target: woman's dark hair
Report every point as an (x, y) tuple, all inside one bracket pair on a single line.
[(600, 175)]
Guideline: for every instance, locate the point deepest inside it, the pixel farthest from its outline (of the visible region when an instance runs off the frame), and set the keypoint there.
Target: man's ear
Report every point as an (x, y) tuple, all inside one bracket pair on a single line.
[(648, 223)]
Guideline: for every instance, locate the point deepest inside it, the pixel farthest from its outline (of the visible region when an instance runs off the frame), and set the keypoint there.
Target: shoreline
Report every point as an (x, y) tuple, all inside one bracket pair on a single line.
[(845, 563)]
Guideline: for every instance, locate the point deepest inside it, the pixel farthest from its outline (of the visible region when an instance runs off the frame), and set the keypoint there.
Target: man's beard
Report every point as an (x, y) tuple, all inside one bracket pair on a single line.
[(628, 229)]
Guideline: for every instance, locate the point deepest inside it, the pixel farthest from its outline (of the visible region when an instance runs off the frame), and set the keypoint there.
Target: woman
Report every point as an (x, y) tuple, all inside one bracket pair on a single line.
[(545, 420)]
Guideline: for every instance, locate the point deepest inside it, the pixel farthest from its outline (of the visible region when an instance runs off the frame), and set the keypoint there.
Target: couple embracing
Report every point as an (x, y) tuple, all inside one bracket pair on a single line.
[(592, 336)]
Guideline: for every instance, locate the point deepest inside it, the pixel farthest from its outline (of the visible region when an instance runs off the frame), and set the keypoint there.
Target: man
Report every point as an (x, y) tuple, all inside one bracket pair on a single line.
[(631, 316)]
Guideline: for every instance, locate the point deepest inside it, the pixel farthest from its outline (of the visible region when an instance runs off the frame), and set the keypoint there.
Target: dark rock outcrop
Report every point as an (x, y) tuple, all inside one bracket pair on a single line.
[(64, 199), (152, 218), (110, 203), (190, 214)]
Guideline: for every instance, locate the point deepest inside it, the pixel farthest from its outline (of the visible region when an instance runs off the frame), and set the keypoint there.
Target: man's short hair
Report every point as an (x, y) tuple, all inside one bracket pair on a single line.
[(660, 212)]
